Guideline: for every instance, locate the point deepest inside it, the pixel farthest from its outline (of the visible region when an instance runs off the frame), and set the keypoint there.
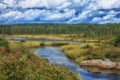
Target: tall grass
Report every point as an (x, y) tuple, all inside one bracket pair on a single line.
[(22, 64), (80, 53)]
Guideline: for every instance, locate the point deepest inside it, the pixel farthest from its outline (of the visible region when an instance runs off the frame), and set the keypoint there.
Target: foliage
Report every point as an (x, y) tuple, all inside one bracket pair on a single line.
[(81, 30), (113, 53), (22, 64), (3, 43), (88, 52), (116, 41)]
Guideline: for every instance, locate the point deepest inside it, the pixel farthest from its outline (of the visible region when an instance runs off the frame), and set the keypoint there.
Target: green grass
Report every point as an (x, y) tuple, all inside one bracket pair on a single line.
[(32, 44), (22, 64), (79, 53)]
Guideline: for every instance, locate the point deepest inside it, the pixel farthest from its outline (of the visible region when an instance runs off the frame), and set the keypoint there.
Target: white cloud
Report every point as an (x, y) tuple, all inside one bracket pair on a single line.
[(64, 5), (57, 15), (27, 15), (101, 12), (33, 3), (42, 3), (55, 3), (81, 16), (108, 4), (103, 21), (113, 20), (110, 15), (2, 6), (32, 14), (108, 18), (11, 14), (96, 19), (10, 3), (58, 10)]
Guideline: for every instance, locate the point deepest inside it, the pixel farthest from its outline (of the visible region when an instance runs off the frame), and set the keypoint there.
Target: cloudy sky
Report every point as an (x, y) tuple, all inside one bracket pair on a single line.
[(59, 11)]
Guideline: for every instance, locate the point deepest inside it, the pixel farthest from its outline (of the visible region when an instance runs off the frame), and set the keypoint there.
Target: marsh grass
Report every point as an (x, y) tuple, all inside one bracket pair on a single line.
[(63, 37), (79, 53), (22, 64)]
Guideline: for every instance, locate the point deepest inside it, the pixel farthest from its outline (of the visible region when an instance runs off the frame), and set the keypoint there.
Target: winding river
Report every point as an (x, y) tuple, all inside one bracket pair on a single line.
[(55, 56)]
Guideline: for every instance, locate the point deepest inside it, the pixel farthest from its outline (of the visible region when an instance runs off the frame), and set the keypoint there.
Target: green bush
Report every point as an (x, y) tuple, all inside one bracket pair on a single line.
[(113, 54), (116, 41), (3, 43), (86, 46), (42, 44)]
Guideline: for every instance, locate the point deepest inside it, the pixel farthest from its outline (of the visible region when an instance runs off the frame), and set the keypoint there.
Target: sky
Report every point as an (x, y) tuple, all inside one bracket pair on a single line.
[(59, 11)]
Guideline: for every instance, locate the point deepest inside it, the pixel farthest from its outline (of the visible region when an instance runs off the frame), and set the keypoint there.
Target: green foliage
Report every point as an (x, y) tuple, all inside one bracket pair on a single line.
[(116, 41), (88, 52), (113, 53), (42, 44), (25, 65), (86, 46), (3, 76), (3, 43), (81, 30)]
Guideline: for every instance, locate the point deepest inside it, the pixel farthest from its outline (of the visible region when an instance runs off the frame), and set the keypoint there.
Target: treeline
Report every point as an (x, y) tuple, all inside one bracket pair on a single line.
[(83, 30)]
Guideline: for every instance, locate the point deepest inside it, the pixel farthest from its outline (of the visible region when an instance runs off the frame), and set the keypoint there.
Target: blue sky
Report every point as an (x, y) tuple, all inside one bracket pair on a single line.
[(59, 11)]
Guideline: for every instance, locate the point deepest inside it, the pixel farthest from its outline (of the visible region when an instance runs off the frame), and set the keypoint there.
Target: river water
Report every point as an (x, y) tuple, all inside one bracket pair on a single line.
[(55, 56)]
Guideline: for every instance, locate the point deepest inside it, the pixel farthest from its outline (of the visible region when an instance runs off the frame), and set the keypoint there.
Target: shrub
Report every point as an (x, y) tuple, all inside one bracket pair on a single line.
[(3, 43), (113, 54), (22, 41), (42, 44), (86, 46), (98, 53), (116, 41), (58, 44)]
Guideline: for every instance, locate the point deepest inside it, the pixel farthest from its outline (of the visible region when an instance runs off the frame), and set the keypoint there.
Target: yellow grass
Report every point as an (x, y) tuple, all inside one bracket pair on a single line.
[(60, 37)]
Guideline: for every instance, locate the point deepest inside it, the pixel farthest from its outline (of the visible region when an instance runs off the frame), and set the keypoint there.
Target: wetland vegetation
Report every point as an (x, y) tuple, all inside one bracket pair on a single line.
[(18, 62)]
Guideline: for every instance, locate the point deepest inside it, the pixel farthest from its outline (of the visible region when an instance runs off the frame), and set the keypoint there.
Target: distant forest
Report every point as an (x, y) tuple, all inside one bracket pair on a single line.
[(82, 30)]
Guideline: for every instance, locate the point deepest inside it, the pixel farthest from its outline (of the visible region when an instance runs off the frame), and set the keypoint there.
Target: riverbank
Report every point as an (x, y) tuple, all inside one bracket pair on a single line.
[(18, 62), (94, 55)]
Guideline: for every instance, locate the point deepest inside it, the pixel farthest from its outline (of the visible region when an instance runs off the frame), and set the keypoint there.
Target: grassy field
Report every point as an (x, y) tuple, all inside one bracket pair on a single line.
[(17, 62), (79, 53)]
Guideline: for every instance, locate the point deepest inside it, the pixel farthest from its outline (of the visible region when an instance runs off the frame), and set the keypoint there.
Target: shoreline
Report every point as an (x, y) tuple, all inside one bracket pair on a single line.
[(61, 37), (105, 64), (101, 66)]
